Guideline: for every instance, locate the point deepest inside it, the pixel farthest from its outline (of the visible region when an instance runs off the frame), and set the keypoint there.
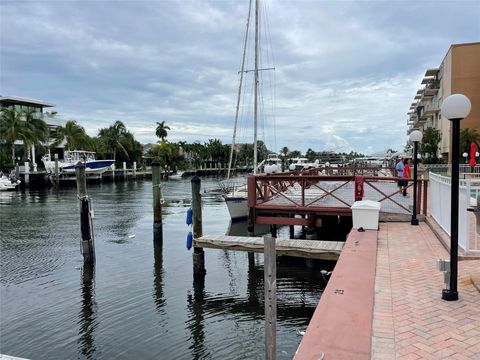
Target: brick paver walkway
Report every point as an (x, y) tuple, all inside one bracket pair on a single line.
[(410, 320)]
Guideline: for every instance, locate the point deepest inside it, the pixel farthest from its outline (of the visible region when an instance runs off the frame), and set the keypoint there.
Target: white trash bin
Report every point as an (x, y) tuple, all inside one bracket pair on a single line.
[(365, 214)]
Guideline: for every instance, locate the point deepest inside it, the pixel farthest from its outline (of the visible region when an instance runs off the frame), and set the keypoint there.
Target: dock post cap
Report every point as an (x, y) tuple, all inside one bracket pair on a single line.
[(195, 179), (155, 163), (79, 165)]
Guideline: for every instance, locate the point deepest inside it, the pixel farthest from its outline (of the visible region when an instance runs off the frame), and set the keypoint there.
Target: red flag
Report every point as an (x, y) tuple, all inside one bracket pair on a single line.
[(473, 151)]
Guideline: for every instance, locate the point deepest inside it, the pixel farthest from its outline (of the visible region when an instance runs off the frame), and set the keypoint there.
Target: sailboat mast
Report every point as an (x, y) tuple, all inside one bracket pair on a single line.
[(242, 70), (255, 106)]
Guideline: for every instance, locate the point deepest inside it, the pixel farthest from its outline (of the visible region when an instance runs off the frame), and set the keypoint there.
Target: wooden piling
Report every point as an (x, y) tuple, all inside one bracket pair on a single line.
[(198, 253), (157, 203), (86, 226), (270, 270), (57, 173), (27, 173)]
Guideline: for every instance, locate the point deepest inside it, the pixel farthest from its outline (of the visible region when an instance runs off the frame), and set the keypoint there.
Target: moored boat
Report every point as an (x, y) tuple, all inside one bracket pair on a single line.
[(71, 158), (7, 183)]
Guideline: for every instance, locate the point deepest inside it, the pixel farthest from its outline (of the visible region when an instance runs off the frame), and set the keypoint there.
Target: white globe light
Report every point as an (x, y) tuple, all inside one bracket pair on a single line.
[(477, 154), (464, 154), (456, 106), (416, 136)]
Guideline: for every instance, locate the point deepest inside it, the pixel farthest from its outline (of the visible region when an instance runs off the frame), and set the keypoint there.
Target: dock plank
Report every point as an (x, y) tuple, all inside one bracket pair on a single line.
[(316, 249)]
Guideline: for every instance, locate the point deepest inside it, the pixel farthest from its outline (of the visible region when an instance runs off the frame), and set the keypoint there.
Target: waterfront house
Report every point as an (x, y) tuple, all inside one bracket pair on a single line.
[(23, 104)]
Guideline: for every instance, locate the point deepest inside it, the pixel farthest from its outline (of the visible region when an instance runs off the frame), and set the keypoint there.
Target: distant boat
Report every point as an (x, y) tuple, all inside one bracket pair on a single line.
[(71, 158), (177, 176), (6, 183), (273, 164), (300, 164)]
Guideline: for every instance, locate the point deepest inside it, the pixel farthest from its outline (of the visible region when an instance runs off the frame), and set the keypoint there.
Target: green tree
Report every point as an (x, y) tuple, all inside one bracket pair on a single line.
[(74, 135), (284, 151), (161, 130), (111, 138), (295, 154), (429, 145), (311, 155), (24, 126), (164, 153)]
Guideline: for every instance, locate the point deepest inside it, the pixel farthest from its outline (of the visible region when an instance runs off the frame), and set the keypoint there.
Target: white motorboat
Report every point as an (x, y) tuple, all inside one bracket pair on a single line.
[(71, 158), (7, 183), (300, 164), (273, 164), (177, 176)]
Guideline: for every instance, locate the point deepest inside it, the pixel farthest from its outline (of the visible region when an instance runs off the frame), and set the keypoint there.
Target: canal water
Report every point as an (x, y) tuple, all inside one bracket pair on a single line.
[(139, 301)]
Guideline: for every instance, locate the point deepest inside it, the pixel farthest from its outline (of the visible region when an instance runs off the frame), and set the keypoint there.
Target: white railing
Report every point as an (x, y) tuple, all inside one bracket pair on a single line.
[(440, 208), (465, 170)]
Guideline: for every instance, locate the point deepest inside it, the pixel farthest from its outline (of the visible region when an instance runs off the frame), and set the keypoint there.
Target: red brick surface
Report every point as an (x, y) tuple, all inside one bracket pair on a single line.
[(410, 319)]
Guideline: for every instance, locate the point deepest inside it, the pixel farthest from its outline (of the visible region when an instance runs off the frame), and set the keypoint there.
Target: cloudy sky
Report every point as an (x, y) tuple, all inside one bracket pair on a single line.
[(345, 71)]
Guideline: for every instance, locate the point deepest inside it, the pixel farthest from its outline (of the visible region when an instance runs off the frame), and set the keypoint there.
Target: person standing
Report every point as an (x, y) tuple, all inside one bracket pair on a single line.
[(399, 169), (407, 174)]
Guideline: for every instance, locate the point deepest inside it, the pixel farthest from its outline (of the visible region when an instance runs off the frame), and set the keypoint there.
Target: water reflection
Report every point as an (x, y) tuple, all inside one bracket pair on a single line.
[(88, 313), (158, 273), (196, 322)]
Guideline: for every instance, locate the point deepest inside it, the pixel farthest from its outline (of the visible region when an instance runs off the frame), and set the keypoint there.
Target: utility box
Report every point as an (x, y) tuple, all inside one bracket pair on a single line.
[(365, 214)]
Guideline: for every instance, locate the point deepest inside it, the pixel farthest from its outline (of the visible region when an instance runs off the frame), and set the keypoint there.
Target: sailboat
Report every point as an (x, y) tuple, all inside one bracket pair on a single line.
[(236, 198)]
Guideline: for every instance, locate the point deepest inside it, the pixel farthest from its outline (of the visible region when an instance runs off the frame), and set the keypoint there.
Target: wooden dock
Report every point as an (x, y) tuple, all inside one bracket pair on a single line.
[(314, 249)]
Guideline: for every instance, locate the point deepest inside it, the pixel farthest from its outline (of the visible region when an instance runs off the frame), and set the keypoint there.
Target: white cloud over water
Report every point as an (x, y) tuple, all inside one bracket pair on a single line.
[(346, 71)]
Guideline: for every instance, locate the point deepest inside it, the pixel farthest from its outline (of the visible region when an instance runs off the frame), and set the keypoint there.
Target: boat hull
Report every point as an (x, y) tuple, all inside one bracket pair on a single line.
[(94, 166), (237, 207)]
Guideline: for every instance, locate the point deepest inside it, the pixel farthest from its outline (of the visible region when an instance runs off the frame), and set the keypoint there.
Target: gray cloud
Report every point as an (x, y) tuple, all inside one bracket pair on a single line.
[(346, 71)]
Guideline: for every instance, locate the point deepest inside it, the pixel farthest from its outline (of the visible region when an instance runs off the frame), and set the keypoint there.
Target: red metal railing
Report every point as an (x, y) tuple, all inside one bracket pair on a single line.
[(308, 191)]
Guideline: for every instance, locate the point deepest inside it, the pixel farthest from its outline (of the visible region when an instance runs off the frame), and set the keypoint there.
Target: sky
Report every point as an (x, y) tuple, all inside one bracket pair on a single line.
[(345, 72)]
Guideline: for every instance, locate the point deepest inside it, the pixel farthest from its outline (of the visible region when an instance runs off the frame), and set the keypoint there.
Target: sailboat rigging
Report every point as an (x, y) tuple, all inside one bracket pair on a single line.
[(236, 199)]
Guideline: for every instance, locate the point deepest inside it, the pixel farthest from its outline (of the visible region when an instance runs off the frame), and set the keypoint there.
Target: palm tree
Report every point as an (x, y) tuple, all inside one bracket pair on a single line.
[(24, 126), (74, 135), (161, 130), (112, 138)]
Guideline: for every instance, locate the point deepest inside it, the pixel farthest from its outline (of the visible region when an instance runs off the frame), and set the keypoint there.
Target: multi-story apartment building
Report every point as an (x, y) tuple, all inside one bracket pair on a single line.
[(459, 72)]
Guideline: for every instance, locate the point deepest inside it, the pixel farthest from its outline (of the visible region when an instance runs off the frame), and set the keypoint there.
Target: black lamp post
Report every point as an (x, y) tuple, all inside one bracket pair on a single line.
[(455, 108), (415, 137)]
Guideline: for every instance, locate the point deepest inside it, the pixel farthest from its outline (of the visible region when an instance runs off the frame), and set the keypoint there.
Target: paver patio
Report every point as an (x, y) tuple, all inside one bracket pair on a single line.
[(410, 319)]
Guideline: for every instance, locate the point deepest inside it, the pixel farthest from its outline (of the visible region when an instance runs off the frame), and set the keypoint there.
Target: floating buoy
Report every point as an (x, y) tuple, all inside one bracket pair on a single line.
[(189, 216), (189, 240)]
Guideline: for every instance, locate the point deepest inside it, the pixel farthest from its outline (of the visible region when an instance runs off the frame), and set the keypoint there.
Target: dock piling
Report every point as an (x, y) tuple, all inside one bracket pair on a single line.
[(198, 253), (270, 269), (157, 203), (27, 173), (57, 175), (86, 225)]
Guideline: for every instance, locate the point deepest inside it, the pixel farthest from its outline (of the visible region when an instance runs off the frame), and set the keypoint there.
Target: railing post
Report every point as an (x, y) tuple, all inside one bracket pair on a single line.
[(425, 196), (419, 196), (302, 184)]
